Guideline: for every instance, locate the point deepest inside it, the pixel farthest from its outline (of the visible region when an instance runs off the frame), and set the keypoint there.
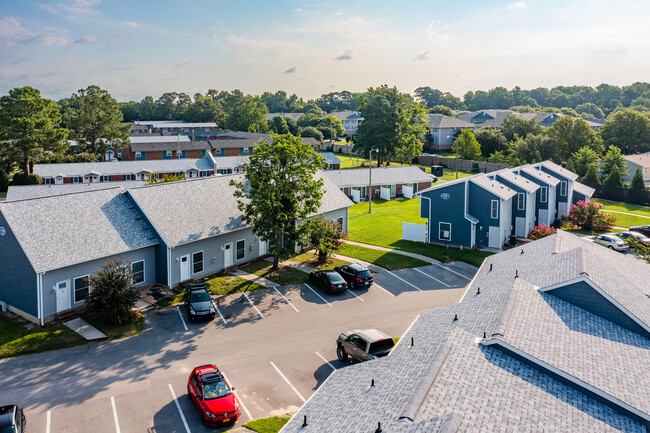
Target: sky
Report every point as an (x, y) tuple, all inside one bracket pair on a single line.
[(135, 48)]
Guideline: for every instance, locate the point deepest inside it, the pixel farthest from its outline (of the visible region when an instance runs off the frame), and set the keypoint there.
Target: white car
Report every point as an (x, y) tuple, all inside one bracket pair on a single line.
[(611, 241)]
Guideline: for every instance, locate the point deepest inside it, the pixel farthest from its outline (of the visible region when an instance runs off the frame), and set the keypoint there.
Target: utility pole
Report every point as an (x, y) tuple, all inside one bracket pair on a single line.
[(457, 145), (370, 181)]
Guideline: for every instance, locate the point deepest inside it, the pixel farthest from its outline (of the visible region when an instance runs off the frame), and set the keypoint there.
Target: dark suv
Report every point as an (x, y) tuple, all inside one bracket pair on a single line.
[(363, 344), (12, 419), (198, 302), (644, 230), (356, 275)]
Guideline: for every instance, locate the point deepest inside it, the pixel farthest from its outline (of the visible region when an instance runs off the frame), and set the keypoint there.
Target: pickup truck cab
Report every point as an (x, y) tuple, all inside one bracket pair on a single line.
[(363, 344)]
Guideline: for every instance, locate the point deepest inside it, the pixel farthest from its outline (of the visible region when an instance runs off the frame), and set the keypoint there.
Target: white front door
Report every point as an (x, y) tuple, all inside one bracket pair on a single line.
[(562, 209), (520, 227), (227, 255), (262, 248), (62, 290), (185, 268), (495, 239), (543, 217)]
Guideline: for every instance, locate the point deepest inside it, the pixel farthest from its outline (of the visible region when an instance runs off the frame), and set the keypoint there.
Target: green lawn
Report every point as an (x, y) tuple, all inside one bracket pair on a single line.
[(227, 284), (383, 227), (623, 220), (310, 259), (624, 207), (385, 259), (114, 332), (284, 276), (17, 339), (268, 425), (450, 174)]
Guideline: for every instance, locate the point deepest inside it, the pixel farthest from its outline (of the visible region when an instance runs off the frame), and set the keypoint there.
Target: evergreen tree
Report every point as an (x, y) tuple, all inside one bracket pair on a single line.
[(591, 176), (570, 166), (614, 178), (637, 180)]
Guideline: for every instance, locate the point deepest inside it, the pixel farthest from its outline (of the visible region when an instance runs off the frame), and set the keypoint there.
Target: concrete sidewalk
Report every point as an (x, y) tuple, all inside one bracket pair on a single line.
[(84, 329)]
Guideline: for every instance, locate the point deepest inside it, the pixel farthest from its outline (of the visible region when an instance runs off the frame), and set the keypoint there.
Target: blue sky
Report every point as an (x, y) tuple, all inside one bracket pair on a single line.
[(134, 48)]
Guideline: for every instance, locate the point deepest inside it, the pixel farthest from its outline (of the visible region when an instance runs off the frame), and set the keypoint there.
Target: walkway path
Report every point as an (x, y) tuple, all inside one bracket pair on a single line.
[(390, 250), (627, 213), (84, 329)]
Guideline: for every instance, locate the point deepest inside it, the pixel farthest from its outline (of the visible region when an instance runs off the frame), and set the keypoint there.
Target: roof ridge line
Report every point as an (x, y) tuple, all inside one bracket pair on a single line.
[(505, 312), (60, 195)]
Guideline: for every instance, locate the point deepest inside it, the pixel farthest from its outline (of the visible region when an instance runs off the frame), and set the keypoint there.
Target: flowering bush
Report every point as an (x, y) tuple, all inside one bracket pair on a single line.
[(589, 216), (324, 235), (541, 231)]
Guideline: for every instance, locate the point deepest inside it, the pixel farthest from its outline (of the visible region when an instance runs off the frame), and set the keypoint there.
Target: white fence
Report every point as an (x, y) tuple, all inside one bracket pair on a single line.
[(407, 191), (414, 232), (385, 193), (355, 193)]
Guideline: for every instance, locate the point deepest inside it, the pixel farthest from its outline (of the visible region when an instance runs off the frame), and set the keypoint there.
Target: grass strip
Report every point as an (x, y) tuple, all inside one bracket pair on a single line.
[(385, 259), (267, 425)]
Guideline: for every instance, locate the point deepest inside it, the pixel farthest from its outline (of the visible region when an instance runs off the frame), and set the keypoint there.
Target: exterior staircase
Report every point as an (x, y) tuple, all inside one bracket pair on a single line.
[(67, 315)]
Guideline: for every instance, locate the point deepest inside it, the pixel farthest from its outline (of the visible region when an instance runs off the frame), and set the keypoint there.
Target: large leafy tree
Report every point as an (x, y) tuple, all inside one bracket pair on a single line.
[(95, 120), (466, 145), (246, 114), (569, 135), (533, 148), (582, 159), (613, 158), (628, 130), (491, 140), (331, 127), (392, 120), (325, 236), (29, 127), (279, 190), (516, 125), (205, 109)]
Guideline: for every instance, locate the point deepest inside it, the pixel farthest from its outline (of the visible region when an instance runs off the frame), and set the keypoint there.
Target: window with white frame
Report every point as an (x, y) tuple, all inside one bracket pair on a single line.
[(106, 178), (245, 150), (197, 262), (521, 201), (444, 232), (204, 173), (340, 221), (494, 209), (48, 181), (128, 177), (563, 188), (81, 288), (241, 249), (138, 154), (169, 153), (75, 179), (543, 194), (137, 268)]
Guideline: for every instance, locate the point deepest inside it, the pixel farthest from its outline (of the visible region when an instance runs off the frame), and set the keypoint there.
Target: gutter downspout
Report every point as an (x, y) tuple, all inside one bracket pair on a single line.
[(428, 219), (169, 267), (39, 295)]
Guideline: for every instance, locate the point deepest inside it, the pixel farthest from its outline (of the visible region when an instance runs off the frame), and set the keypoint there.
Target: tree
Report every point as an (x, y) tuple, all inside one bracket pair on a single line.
[(589, 216), (246, 114), (570, 166), (391, 120), (498, 157), (441, 109), (491, 140), (325, 236), (516, 125), (541, 231), (533, 148), (466, 145), (95, 120), (280, 190), (279, 125), (614, 178), (637, 180), (205, 109), (29, 126), (309, 119), (628, 130), (113, 295), (591, 175), (569, 135), (613, 158), (310, 131), (291, 124), (642, 250), (583, 158), (155, 178), (591, 109), (331, 127)]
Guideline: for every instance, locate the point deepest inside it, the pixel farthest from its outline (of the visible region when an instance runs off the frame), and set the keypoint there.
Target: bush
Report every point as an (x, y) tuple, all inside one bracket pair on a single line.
[(33, 179), (66, 158), (113, 295), (19, 178), (589, 216), (541, 231), (4, 181)]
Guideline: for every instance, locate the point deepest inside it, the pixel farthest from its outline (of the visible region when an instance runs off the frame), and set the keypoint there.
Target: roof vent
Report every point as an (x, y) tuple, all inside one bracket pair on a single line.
[(304, 423), (379, 430)]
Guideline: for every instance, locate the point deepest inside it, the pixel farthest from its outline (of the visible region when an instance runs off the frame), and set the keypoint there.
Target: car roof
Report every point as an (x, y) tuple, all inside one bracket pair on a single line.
[(358, 267), (371, 334), (331, 272)]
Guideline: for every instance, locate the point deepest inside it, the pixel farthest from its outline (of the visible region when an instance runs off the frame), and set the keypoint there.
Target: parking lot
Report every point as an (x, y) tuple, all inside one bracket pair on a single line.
[(276, 346)]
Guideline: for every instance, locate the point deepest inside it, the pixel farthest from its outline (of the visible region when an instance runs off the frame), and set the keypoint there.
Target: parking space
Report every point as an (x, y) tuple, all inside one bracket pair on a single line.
[(426, 278)]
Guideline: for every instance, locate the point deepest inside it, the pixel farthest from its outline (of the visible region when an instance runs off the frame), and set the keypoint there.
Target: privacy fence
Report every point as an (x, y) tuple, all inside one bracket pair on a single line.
[(461, 164), (615, 193)]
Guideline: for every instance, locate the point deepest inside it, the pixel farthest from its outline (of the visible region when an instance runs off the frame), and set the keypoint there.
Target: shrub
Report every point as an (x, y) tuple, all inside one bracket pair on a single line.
[(113, 295), (589, 216), (541, 231), (33, 179), (19, 178), (4, 180), (637, 180), (325, 236)]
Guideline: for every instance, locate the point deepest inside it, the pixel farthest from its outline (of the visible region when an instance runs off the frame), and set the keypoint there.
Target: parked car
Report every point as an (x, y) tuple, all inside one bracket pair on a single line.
[(644, 230), (634, 235), (213, 396), (355, 275), (12, 419), (198, 302), (363, 344), (329, 281), (611, 241)]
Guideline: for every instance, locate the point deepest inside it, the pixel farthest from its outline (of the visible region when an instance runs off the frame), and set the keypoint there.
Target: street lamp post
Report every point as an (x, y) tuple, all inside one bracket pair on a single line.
[(370, 181), (456, 141)]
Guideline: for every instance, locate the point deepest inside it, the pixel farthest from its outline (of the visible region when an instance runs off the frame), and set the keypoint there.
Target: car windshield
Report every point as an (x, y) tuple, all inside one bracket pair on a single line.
[(335, 278), (212, 390), (616, 239), (381, 345), (364, 274), (200, 296)]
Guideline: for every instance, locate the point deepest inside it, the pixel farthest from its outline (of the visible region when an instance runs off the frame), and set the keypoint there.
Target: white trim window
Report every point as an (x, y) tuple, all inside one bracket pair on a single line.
[(128, 177), (444, 231), (75, 179), (521, 201), (240, 249), (106, 178), (168, 153), (197, 262), (563, 186), (543, 194), (138, 154), (494, 209), (81, 286), (137, 268)]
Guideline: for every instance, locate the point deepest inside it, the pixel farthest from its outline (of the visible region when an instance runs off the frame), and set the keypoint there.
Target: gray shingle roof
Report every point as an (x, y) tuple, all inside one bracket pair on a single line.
[(380, 176), (330, 158), (442, 121), (583, 189), (472, 385), (538, 174), (23, 192), (520, 181), (147, 139), (77, 227), (493, 186), (558, 169)]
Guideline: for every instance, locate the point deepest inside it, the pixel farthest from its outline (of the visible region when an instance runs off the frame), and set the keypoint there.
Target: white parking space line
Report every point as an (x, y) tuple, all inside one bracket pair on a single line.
[(402, 279), (427, 275), (181, 316), (48, 421), (451, 270), (326, 361), (288, 301), (251, 302), (289, 383), (117, 423), (221, 315), (178, 406), (241, 402), (309, 287), (377, 285), (353, 294)]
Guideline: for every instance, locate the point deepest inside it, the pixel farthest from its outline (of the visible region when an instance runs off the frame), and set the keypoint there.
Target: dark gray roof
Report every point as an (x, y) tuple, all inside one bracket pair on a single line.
[(23, 192), (153, 143), (496, 367), (153, 138), (380, 176), (235, 143), (64, 230), (442, 121)]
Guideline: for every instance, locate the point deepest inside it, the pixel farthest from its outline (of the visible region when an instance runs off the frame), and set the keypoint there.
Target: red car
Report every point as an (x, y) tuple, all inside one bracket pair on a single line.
[(213, 396)]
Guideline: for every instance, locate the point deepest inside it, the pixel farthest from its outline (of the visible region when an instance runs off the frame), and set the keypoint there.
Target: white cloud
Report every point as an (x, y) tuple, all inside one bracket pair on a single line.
[(86, 39), (13, 33), (53, 40), (297, 10), (181, 64), (422, 56), (347, 55), (517, 6), (434, 29), (74, 9)]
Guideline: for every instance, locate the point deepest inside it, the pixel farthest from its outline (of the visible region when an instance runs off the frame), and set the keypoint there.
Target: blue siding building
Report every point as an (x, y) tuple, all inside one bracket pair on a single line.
[(545, 203), (523, 206)]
